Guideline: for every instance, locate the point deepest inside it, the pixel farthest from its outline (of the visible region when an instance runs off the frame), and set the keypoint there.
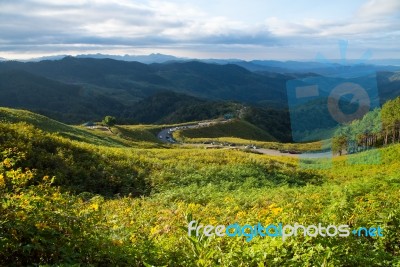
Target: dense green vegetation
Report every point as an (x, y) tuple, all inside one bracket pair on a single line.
[(109, 121), (62, 101), (376, 128), (276, 122), (66, 201), (170, 107)]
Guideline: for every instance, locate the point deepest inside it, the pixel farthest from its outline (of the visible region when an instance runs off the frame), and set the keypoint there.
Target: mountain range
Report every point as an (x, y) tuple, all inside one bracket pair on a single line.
[(129, 82), (320, 66), (78, 89)]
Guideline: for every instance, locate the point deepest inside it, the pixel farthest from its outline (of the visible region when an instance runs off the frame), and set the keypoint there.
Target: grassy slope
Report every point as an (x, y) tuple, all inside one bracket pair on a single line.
[(137, 133), (236, 128), (145, 135), (242, 133), (79, 133), (301, 147), (216, 187), (153, 129)]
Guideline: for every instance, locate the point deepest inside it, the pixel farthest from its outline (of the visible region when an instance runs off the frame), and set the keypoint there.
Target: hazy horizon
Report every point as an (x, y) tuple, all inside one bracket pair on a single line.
[(130, 57)]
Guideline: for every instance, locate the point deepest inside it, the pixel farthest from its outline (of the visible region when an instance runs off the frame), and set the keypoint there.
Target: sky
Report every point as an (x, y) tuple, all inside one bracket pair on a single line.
[(251, 29)]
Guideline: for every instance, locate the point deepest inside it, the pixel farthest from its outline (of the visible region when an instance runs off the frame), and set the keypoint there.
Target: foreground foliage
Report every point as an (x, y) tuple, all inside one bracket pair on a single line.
[(66, 202)]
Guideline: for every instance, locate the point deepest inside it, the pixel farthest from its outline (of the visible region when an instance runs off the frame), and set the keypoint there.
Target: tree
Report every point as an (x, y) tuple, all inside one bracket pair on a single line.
[(109, 121), (342, 141), (339, 144), (391, 118)]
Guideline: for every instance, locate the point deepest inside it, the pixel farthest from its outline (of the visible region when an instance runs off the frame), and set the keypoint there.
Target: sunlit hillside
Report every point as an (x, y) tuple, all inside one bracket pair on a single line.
[(72, 195)]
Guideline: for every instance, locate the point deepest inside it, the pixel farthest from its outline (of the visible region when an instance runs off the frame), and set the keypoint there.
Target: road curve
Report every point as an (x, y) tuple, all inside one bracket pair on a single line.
[(165, 136), (162, 136)]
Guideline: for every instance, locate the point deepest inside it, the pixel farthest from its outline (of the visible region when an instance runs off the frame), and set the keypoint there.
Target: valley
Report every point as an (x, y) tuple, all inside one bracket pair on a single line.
[(78, 189)]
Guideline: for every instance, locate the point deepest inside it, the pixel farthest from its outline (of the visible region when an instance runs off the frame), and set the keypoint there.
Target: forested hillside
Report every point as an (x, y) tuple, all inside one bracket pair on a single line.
[(378, 127), (120, 79)]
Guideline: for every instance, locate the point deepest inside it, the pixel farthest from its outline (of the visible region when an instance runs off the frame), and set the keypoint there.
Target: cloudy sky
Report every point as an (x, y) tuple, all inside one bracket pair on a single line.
[(251, 29)]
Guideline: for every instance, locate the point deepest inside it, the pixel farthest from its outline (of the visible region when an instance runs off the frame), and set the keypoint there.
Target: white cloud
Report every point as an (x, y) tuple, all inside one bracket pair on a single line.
[(119, 19), (379, 8), (373, 19), (47, 25)]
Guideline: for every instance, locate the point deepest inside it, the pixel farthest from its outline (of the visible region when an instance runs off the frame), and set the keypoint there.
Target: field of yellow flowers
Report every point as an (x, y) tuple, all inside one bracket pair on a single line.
[(67, 202)]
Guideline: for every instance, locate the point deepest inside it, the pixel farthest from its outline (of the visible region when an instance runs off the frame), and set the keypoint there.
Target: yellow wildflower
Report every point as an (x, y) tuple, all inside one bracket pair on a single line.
[(2, 181), (276, 211), (95, 206), (241, 214)]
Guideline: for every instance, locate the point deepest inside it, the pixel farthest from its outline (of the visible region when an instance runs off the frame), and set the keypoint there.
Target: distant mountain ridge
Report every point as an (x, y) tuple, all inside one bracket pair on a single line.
[(122, 79), (146, 59), (280, 66)]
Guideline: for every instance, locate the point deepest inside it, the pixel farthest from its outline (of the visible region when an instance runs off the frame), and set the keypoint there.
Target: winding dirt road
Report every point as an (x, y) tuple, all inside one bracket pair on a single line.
[(166, 136)]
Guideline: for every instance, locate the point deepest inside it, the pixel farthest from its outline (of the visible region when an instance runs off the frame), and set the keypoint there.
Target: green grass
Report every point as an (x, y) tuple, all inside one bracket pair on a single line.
[(236, 128), (130, 206), (300, 147), (120, 138), (136, 133)]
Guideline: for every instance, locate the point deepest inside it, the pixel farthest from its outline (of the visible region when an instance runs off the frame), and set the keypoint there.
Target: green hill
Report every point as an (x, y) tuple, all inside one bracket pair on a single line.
[(211, 81), (138, 136), (65, 102), (236, 128), (276, 122), (170, 107)]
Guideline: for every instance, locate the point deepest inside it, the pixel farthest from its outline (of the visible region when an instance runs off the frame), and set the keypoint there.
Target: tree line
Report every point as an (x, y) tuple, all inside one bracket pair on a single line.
[(378, 127)]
